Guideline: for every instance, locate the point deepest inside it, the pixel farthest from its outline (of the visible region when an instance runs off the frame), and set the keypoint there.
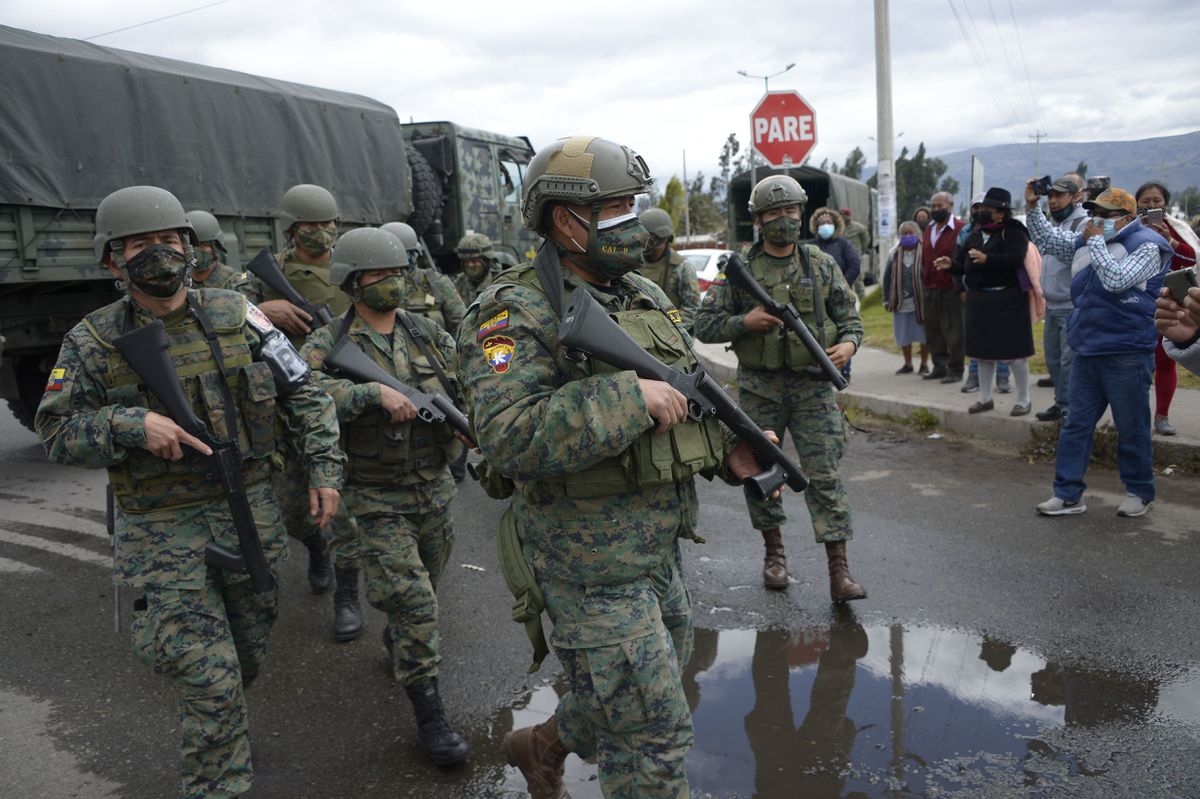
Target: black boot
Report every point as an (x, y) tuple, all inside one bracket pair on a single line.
[(320, 573), (444, 746), (347, 617)]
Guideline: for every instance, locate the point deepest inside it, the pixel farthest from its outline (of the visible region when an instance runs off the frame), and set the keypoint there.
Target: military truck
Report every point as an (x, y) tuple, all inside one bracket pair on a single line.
[(81, 120), (823, 188)]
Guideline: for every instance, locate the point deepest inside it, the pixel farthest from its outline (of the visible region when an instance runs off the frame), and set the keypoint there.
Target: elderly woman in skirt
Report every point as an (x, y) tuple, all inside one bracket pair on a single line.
[(902, 296)]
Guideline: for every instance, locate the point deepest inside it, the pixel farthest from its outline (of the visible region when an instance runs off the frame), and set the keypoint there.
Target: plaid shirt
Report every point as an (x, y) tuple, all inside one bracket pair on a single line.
[(1116, 276)]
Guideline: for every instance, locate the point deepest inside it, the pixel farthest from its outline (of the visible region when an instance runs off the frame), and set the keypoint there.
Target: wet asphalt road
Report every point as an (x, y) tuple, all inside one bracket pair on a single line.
[(999, 654)]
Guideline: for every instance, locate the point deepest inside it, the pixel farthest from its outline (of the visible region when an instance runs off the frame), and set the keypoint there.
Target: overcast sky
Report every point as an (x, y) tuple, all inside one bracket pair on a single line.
[(662, 76)]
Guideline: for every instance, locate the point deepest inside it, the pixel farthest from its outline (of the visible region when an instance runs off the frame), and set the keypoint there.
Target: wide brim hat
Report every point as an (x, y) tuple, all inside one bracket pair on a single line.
[(996, 197)]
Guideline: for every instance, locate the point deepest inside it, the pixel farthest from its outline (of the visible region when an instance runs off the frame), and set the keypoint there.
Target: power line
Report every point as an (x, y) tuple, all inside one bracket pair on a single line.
[(987, 82), (1003, 85), (1024, 61), (1009, 64), (157, 19)]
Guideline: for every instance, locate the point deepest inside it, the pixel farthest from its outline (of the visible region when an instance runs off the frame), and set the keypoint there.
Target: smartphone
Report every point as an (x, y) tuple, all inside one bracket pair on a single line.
[(1154, 216), (1179, 281)]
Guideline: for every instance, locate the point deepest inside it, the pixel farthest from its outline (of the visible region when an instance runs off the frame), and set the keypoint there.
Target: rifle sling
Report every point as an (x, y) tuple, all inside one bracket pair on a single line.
[(211, 335), (407, 323), (819, 299)]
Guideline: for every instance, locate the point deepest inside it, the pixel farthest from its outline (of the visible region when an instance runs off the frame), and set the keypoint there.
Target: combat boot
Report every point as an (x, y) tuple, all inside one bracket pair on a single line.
[(444, 746), (347, 616), (320, 571), (775, 573), (842, 587), (540, 755)]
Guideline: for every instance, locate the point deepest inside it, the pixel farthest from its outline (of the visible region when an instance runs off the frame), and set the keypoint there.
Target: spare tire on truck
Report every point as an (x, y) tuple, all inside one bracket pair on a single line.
[(426, 192), (31, 377)]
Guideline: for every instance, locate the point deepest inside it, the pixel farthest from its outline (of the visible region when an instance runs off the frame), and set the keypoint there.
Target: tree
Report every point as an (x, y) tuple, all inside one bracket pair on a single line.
[(1081, 169), (672, 201), (855, 162), (705, 217)]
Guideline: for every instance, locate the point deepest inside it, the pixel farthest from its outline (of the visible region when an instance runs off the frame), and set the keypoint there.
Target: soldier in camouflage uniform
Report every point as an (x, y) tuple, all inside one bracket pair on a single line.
[(776, 387), (204, 629), (309, 215), (667, 268), (427, 292), (210, 271), (477, 257), (597, 511), (398, 484), (857, 234)]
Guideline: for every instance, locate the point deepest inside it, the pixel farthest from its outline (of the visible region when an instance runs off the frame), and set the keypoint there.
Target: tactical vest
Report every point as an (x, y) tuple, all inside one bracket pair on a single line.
[(312, 282), (662, 271), (780, 349), (654, 459), (383, 452), (418, 297), (143, 481)]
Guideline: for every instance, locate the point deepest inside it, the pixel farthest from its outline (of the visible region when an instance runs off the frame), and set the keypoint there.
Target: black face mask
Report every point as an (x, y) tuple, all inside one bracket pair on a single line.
[(158, 271), (982, 218), (940, 215)]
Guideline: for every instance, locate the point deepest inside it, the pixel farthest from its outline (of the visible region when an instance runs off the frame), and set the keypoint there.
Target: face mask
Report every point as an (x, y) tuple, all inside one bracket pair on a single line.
[(1061, 214), (616, 246), (940, 215), (204, 260), (982, 218), (157, 271), (1110, 228), (475, 270), (909, 240), (825, 231), (315, 241), (383, 295), (781, 231)]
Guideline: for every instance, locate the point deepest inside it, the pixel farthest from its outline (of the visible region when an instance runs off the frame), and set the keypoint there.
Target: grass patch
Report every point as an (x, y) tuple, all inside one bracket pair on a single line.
[(923, 420)]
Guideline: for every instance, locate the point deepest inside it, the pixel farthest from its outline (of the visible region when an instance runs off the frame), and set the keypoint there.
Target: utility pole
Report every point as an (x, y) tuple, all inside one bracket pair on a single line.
[(884, 140), (1037, 137)]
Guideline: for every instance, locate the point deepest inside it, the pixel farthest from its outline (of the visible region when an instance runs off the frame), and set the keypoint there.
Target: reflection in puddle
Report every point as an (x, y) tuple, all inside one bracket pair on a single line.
[(854, 711)]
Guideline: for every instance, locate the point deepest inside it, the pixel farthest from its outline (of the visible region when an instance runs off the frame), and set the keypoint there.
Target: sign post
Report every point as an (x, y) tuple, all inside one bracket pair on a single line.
[(784, 129)]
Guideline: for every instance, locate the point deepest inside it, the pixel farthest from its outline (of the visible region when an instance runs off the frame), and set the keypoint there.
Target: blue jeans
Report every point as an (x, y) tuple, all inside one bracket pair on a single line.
[(1003, 370), (1097, 382), (1058, 354)]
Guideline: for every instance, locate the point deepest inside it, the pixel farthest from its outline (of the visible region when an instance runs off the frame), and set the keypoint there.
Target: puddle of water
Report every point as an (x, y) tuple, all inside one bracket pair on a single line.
[(854, 710)]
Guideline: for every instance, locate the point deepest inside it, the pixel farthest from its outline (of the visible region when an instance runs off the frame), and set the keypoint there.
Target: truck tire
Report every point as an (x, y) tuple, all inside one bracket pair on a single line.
[(426, 191), (31, 384)]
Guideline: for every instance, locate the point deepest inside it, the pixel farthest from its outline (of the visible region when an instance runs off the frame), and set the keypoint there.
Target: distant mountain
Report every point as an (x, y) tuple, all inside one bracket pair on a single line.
[(1172, 160)]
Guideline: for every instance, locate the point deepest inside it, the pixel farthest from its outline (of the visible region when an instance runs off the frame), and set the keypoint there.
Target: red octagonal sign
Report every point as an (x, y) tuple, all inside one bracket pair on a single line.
[(784, 127)]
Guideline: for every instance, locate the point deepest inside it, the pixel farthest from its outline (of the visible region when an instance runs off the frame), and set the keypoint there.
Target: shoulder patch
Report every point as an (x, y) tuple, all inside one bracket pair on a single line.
[(497, 322), (57, 376), (257, 318), (675, 316), (719, 280), (498, 351)]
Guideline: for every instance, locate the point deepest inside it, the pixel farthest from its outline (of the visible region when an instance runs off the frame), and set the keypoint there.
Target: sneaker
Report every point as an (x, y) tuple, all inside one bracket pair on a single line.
[(1133, 505), (1045, 382), (1003, 387), (936, 374), (924, 370), (1058, 507), (906, 369), (951, 378), (1163, 426), (1051, 414), (971, 385)]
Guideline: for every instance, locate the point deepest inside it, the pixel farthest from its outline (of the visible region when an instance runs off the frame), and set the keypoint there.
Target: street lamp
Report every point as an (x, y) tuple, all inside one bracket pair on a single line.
[(765, 79)]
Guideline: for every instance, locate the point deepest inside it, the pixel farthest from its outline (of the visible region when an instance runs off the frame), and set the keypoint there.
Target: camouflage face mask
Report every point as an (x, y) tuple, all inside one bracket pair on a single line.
[(474, 268), (205, 260), (781, 231), (157, 271), (616, 246), (383, 295), (315, 240)]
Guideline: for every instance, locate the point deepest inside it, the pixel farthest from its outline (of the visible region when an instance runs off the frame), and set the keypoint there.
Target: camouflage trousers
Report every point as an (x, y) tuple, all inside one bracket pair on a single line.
[(623, 648), (209, 642), (402, 556), (291, 486), (789, 401)]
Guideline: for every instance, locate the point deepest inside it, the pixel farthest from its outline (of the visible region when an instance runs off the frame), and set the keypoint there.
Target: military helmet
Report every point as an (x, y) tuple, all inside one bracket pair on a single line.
[(364, 249), (404, 232), (207, 228), (658, 222), (581, 169), (138, 209), (475, 245), (776, 191), (307, 203)]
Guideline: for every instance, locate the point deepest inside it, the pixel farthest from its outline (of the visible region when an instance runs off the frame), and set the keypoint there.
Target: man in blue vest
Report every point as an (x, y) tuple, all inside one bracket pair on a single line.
[(1117, 269)]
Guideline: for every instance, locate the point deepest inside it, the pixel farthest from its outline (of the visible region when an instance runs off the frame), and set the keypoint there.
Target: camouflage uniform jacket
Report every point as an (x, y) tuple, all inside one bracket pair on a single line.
[(429, 293), (672, 274), (419, 488), (857, 234), (222, 276), (468, 289), (540, 415), (311, 280), (722, 316), (93, 415)]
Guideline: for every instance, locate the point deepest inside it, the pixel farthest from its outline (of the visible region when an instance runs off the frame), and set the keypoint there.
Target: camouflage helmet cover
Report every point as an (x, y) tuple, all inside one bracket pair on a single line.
[(776, 191), (364, 249), (404, 232), (658, 222), (307, 203), (138, 209), (207, 228), (475, 245), (581, 169)]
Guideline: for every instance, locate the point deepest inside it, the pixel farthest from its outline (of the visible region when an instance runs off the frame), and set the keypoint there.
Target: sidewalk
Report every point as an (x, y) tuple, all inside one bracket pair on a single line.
[(875, 387)]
